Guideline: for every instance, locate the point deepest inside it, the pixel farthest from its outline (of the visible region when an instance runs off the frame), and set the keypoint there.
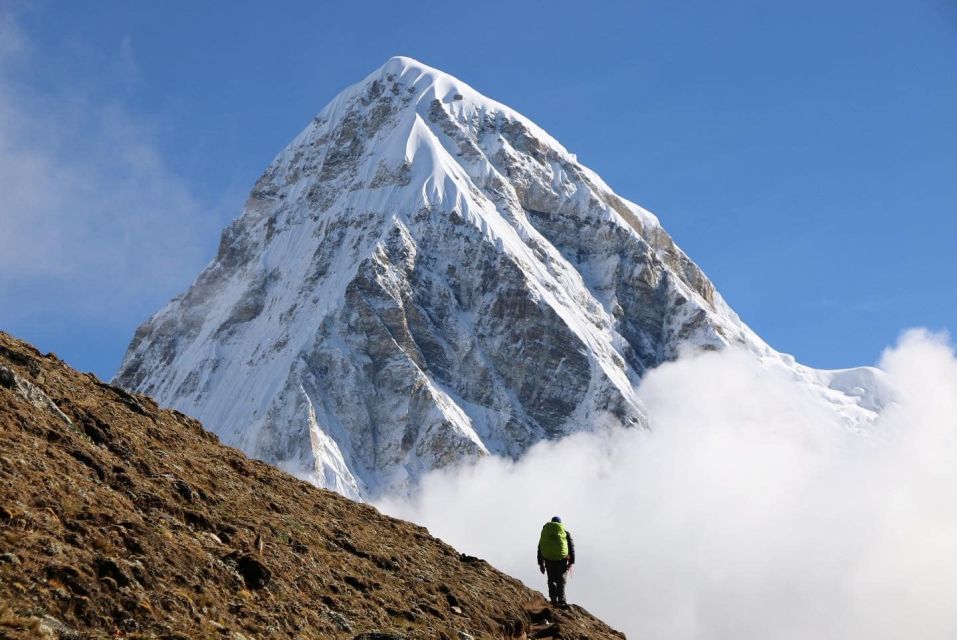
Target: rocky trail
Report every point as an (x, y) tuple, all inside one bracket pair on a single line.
[(119, 519)]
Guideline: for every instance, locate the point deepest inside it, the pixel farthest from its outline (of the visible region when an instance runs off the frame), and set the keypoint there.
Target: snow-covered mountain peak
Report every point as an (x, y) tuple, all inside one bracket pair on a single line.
[(424, 276), (424, 85), (422, 80), (428, 116)]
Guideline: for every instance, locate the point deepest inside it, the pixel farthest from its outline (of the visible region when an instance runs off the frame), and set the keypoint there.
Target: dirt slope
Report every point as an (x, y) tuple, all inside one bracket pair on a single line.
[(118, 519)]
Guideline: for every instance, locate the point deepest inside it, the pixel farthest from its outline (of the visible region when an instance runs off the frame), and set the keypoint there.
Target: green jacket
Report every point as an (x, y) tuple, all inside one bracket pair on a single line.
[(555, 543)]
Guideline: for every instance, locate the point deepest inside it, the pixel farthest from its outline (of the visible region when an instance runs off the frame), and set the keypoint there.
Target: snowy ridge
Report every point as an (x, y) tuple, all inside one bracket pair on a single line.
[(423, 276)]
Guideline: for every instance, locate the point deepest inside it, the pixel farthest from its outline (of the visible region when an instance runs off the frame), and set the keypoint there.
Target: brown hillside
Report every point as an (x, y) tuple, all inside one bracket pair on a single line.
[(118, 519)]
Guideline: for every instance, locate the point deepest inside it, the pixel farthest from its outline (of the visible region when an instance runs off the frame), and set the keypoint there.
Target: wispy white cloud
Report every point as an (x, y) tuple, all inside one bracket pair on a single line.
[(747, 512), (13, 40), (93, 220), (128, 63)]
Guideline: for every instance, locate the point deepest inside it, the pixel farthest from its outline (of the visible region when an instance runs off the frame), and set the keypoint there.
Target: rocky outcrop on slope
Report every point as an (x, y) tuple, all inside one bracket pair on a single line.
[(118, 519)]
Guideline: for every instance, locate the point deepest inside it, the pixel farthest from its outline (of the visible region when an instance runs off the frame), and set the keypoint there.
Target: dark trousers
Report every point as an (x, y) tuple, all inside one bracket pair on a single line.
[(556, 570)]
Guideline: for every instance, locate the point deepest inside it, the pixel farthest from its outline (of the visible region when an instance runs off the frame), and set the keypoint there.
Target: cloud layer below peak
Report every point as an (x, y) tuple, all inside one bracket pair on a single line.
[(747, 512)]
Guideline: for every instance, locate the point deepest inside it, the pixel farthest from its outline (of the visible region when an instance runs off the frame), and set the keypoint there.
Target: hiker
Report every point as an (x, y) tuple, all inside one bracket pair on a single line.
[(556, 555)]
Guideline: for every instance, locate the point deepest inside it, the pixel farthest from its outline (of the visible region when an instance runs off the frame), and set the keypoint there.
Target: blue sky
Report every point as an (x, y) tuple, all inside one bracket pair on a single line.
[(804, 154)]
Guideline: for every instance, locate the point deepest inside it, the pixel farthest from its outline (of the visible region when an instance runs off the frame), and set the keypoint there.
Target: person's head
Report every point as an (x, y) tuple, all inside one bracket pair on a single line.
[(556, 519)]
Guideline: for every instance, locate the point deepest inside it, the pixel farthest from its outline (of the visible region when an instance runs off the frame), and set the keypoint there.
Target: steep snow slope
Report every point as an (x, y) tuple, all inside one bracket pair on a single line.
[(422, 276)]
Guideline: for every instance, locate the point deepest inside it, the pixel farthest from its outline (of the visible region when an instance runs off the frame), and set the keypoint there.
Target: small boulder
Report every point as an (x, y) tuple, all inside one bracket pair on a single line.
[(184, 490), (255, 574), (109, 571)]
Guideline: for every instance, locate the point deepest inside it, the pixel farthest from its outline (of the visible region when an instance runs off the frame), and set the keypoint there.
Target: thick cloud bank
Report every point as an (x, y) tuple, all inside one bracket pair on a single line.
[(748, 512)]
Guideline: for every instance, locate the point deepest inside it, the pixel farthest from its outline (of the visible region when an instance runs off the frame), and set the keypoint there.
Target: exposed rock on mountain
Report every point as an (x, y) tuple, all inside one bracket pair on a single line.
[(118, 519), (424, 276)]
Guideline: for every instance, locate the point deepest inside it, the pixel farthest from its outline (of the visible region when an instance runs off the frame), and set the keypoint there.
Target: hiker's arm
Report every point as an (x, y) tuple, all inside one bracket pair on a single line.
[(541, 560), (571, 548)]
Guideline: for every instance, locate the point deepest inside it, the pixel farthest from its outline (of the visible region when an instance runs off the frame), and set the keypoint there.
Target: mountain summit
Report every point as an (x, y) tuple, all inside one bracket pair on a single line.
[(425, 276)]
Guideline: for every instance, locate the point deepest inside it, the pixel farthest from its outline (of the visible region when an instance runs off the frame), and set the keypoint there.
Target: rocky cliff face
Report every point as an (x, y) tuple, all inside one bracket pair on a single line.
[(424, 276), (118, 519)]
